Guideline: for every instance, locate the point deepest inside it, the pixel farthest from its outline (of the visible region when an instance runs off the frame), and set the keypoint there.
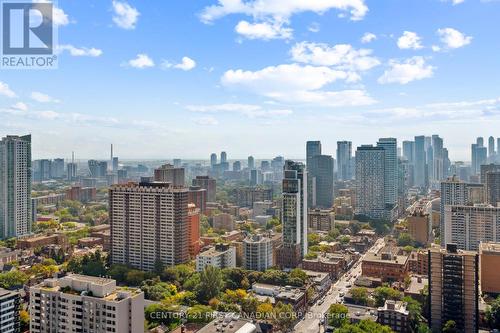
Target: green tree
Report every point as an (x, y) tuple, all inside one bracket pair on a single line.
[(13, 279), (450, 327), (210, 285), (284, 316), (338, 315), (493, 314), (156, 290), (360, 295), (199, 314), (298, 274), (24, 320), (405, 239), (364, 326), (381, 294), (118, 272), (135, 277)]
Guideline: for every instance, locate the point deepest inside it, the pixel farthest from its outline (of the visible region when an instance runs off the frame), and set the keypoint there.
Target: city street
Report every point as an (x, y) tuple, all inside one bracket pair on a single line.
[(311, 321)]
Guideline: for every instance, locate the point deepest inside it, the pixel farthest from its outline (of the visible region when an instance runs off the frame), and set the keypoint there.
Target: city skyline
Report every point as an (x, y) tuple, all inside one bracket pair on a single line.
[(193, 72)]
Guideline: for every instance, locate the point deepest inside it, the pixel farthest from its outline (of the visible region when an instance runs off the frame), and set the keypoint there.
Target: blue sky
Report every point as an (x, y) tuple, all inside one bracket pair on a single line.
[(183, 78)]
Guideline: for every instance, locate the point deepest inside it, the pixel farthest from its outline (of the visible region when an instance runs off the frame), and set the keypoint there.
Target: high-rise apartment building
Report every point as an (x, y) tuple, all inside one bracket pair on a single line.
[(485, 168), (455, 192), (15, 186), (493, 188), (420, 168), (169, 173), (79, 303), (219, 256), (257, 253), (9, 311), (320, 171), (294, 215), (467, 226), (370, 174), (390, 170), (149, 223), (453, 289), (489, 261), (208, 184), (344, 160)]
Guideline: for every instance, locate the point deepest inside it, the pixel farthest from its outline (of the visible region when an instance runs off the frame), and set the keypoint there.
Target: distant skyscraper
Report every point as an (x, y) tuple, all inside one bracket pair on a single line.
[(480, 142), (213, 159), (237, 166), (57, 170), (491, 147), (177, 162), (169, 173), (320, 174), (453, 289), (149, 223), (370, 174), (97, 169), (409, 151), (72, 168), (208, 184), (15, 186), (313, 148), (420, 162), (479, 156), (294, 215), (344, 160), (251, 162), (223, 157), (114, 167), (390, 170), (254, 177)]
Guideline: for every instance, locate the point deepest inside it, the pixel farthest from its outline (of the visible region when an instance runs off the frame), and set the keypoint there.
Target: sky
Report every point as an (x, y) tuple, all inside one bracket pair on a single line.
[(165, 79)]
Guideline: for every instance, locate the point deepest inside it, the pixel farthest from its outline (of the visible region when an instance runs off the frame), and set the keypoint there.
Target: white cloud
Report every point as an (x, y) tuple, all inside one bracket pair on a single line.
[(59, 17), (206, 121), (141, 61), (80, 51), (249, 110), (6, 91), (409, 40), (125, 16), (294, 83), (453, 38), (409, 70), (263, 30), (281, 9), (187, 64), (43, 98), (368, 37), (283, 77), (454, 2), (341, 56), (19, 106)]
